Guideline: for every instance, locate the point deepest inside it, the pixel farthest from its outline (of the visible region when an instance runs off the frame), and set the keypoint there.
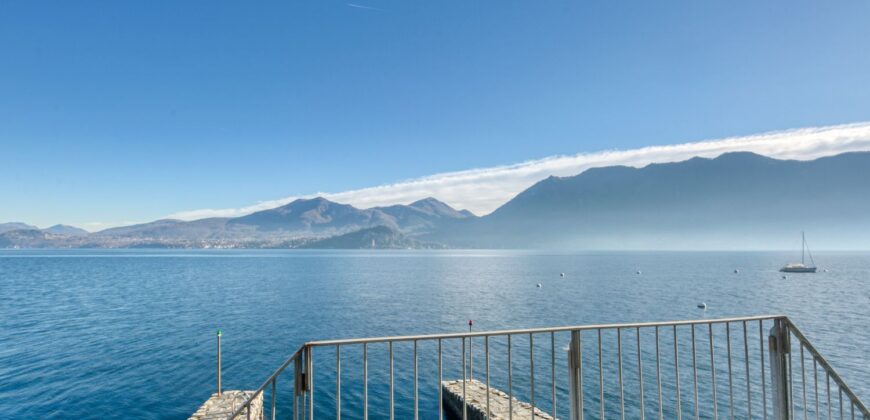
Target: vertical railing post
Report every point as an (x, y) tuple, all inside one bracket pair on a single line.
[(778, 348), (574, 366), (366, 381), (298, 386), (470, 352), (309, 380), (274, 397)]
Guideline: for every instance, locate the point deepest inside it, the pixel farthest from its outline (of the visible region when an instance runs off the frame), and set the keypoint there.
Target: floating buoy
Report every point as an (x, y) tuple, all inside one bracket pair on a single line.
[(539, 284), (561, 274), (736, 271), (702, 305), (784, 277), (638, 272)]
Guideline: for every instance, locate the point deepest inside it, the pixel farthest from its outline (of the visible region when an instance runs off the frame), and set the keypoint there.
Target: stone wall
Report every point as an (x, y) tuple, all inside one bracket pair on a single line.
[(220, 407), (500, 404)]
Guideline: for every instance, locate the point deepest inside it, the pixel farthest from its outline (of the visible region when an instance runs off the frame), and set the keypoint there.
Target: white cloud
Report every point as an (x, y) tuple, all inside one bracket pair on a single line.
[(360, 6), (483, 190)]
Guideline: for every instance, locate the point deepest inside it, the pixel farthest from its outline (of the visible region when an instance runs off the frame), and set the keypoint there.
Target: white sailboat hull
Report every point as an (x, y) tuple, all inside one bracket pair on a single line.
[(797, 268)]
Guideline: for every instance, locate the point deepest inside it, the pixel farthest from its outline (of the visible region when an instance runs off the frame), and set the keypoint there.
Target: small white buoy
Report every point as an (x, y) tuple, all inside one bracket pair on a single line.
[(562, 275), (736, 271), (825, 270), (702, 305), (539, 285), (638, 272)]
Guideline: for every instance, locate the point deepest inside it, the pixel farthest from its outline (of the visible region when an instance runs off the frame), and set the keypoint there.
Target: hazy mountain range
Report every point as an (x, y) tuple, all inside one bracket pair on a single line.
[(6, 227), (56, 229), (299, 223), (737, 200)]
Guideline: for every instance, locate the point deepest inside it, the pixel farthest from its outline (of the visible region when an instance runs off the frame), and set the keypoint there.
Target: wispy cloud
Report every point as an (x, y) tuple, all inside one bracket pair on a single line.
[(360, 6), (483, 190)]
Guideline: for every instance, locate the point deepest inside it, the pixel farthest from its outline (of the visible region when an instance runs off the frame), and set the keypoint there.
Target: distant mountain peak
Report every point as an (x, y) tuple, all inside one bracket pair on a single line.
[(437, 207), (728, 155), (431, 203), (6, 227), (427, 201), (302, 205), (308, 201), (66, 230)]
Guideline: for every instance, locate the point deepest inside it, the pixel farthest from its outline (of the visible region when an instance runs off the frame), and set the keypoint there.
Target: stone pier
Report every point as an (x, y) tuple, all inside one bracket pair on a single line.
[(220, 407), (475, 395)]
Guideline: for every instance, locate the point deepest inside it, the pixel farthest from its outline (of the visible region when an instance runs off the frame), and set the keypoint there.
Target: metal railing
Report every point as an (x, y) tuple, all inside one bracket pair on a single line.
[(699, 369)]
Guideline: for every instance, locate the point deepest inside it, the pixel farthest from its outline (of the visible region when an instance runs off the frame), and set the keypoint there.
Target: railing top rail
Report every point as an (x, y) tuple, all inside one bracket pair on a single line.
[(322, 343)]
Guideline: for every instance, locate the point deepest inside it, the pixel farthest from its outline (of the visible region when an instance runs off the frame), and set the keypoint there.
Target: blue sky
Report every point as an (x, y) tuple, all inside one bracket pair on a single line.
[(130, 111)]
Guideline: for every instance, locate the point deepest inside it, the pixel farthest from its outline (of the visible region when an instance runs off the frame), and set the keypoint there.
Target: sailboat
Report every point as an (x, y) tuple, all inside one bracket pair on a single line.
[(801, 267)]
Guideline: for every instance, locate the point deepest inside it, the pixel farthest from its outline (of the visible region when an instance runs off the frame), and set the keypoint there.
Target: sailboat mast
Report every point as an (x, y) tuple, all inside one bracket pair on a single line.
[(803, 246)]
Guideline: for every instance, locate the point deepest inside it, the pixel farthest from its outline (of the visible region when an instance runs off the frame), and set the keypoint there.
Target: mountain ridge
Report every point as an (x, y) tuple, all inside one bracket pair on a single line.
[(10, 226), (723, 202), (295, 223), (737, 200)]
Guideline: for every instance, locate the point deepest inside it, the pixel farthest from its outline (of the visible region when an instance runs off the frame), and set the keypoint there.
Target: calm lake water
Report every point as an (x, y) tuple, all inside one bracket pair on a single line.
[(95, 333)]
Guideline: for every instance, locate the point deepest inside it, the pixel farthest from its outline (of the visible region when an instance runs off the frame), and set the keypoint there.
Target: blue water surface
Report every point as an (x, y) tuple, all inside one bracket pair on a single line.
[(131, 333)]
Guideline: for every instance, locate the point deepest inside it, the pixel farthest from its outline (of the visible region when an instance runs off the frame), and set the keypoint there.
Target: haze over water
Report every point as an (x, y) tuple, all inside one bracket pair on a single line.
[(89, 332)]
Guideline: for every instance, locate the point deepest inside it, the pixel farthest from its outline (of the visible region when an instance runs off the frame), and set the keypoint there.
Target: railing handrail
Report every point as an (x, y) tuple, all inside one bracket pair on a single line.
[(268, 381), (322, 343), (825, 365)]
